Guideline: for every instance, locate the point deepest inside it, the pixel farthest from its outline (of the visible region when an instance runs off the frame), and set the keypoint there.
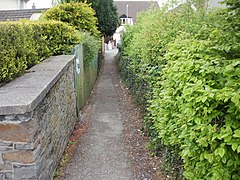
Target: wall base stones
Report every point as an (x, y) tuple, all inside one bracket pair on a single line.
[(37, 115)]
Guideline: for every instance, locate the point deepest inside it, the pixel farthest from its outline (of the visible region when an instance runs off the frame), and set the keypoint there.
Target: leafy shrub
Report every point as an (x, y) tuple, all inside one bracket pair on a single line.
[(189, 62), (91, 46), (195, 110), (60, 37), (106, 14), (26, 43), (12, 50), (79, 15), (234, 4), (146, 45)]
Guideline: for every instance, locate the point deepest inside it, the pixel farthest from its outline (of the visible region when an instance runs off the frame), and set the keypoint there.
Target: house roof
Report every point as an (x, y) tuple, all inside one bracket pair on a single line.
[(134, 7), (124, 16), (14, 15)]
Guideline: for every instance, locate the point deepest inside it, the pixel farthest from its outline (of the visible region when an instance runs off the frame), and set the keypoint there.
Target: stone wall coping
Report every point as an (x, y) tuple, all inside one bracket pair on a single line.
[(24, 93)]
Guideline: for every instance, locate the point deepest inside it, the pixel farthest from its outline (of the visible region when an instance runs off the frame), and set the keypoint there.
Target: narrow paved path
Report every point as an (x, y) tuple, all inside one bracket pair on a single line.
[(102, 154)]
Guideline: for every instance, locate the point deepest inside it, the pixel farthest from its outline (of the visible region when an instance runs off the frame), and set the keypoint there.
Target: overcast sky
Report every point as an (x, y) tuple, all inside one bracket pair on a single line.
[(47, 3)]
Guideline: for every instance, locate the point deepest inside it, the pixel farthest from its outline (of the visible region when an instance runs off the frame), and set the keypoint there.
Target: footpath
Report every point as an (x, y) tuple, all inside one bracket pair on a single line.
[(112, 145), (102, 154)]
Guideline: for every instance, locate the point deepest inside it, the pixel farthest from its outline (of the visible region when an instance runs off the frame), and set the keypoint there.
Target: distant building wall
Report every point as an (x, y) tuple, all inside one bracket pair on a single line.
[(215, 3), (9, 4), (12, 4)]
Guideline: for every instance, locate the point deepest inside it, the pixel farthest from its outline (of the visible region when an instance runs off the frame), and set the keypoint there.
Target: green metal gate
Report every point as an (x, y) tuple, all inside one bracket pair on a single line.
[(85, 77)]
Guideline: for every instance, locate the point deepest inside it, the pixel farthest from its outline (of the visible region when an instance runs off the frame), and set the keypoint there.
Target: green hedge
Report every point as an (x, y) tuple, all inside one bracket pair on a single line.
[(24, 44), (91, 45), (146, 45), (188, 64), (79, 15)]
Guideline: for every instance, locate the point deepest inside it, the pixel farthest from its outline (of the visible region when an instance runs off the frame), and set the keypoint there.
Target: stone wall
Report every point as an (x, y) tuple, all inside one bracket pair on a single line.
[(37, 115)]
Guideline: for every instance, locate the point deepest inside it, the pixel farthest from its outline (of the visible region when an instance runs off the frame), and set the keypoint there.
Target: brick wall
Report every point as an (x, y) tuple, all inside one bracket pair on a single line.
[(37, 115)]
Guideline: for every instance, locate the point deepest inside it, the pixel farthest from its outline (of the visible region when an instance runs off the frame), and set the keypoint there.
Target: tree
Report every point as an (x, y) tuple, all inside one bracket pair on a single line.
[(106, 12), (234, 4), (107, 16)]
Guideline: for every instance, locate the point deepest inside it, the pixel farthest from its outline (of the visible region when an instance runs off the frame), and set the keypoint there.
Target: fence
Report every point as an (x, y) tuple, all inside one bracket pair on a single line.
[(85, 75)]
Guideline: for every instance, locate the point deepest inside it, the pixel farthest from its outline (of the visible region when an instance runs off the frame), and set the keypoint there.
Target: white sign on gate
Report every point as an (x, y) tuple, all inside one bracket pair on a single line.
[(77, 66)]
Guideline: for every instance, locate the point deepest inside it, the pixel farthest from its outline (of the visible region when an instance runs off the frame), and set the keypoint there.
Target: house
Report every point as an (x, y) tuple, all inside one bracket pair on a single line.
[(13, 4), (127, 11), (132, 8), (13, 10), (14, 15)]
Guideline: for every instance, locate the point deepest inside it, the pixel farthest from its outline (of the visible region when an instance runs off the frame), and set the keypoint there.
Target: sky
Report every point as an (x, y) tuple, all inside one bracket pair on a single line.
[(46, 3)]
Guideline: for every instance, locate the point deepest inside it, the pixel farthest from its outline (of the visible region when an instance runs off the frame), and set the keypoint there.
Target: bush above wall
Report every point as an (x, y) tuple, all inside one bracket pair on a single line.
[(82, 17), (79, 15), (24, 44)]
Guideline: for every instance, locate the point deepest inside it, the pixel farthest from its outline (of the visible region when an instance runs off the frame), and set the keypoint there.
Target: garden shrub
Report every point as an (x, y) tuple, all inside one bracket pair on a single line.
[(82, 17), (195, 111), (146, 45), (91, 46), (189, 62), (79, 15), (26, 43), (60, 37), (12, 50)]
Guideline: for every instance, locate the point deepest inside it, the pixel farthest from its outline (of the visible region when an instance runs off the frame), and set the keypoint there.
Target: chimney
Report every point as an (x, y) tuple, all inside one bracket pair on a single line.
[(33, 6)]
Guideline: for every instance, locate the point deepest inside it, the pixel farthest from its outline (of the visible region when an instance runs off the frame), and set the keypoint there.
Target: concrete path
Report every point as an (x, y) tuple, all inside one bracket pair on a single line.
[(102, 154)]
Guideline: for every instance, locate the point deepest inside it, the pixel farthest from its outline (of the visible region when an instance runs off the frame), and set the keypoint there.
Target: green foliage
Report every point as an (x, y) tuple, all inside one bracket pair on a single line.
[(78, 15), (194, 110), (26, 43), (13, 59), (106, 14), (81, 16), (186, 66), (149, 37), (60, 37), (90, 48), (234, 4)]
